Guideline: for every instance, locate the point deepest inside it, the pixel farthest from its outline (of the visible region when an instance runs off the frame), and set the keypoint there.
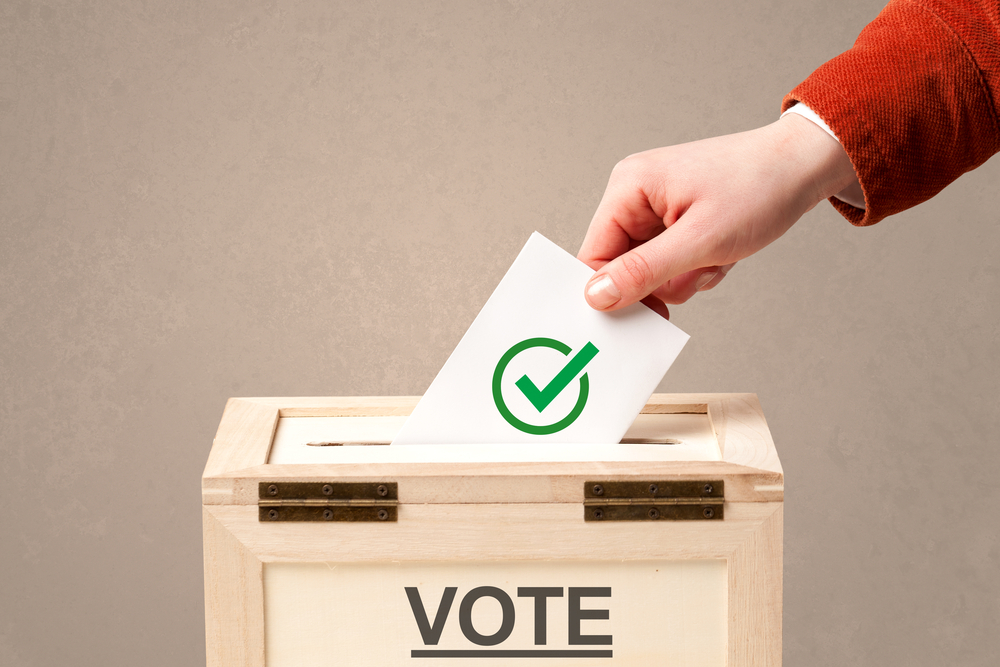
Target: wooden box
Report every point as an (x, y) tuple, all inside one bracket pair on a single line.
[(662, 550)]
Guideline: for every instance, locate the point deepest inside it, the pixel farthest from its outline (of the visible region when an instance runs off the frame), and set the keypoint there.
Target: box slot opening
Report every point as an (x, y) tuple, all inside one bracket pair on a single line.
[(686, 436)]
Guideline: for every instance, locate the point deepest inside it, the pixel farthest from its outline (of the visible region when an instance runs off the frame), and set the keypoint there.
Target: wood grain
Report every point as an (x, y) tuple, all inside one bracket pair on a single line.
[(492, 532), (234, 599), (498, 483), (755, 596), (742, 432), (244, 436), (340, 406)]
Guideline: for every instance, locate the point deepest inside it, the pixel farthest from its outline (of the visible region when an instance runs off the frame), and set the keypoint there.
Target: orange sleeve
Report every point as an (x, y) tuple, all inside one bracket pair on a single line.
[(914, 102)]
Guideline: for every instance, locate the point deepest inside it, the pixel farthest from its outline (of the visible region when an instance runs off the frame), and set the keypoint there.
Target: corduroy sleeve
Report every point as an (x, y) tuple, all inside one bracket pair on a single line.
[(914, 102)]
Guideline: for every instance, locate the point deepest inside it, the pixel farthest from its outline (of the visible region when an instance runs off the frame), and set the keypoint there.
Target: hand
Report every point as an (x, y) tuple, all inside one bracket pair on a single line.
[(674, 220)]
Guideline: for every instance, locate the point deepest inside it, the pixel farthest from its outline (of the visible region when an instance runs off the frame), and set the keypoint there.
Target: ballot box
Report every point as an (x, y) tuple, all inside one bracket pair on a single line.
[(324, 545)]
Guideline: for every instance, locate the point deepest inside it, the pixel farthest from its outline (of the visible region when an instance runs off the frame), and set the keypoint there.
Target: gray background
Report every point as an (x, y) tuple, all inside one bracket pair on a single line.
[(204, 200)]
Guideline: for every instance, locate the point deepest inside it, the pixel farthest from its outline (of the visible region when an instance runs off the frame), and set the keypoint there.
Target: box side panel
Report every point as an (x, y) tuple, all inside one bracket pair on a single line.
[(474, 538), (755, 596), (526, 613), (234, 602)]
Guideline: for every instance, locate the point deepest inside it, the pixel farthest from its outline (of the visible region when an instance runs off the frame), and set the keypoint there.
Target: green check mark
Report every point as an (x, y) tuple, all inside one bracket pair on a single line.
[(541, 398)]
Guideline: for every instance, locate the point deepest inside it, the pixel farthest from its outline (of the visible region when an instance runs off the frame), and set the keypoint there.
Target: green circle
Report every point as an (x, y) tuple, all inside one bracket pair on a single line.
[(502, 406)]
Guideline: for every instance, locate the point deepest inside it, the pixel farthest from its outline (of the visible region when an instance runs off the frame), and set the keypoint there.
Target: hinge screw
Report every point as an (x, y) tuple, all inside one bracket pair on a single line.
[(654, 513), (272, 514), (327, 489), (382, 515), (273, 490), (598, 514), (382, 490), (598, 490), (328, 514), (708, 488), (653, 488), (708, 512)]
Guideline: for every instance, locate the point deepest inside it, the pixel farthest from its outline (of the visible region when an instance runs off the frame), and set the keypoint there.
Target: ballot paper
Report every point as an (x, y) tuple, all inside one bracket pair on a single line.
[(540, 365)]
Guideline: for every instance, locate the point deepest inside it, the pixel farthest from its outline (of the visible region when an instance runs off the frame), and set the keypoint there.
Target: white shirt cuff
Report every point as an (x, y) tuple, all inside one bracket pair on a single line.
[(852, 194)]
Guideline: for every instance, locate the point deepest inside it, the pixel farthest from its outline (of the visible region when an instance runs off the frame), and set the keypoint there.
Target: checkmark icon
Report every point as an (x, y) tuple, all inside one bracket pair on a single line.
[(542, 398)]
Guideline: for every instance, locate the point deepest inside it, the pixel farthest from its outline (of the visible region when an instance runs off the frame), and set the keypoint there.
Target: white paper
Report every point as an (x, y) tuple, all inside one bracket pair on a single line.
[(538, 321)]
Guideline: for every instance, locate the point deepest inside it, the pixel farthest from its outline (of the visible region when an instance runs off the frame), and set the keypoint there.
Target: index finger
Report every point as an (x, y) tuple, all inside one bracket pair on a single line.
[(624, 218)]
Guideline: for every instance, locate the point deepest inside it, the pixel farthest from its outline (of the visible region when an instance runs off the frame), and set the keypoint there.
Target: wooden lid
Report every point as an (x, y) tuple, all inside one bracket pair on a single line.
[(677, 437)]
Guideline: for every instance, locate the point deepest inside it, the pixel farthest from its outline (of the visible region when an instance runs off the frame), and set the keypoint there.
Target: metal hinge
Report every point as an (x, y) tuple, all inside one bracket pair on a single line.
[(327, 501), (653, 501)]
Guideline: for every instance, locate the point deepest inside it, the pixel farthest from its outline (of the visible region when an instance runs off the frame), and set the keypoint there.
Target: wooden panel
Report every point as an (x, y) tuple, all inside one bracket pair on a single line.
[(665, 404), (341, 406), (359, 614), (755, 596), (234, 599), (244, 437), (498, 483), (492, 532), (742, 432), (749, 539)]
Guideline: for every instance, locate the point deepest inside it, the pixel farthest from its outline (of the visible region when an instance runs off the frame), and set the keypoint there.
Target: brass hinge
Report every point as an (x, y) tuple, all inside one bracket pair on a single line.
[(327, 501), (653, 501)]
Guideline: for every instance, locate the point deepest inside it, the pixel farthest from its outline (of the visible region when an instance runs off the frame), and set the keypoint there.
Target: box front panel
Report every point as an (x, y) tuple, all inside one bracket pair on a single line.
[(526, 613)]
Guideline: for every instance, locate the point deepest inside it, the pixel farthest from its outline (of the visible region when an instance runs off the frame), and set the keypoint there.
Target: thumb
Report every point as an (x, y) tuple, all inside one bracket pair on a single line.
[(634, 275)]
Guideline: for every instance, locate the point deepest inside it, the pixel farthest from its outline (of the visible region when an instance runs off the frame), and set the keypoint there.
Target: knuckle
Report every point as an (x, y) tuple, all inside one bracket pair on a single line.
[(625, 167), (620, 169)]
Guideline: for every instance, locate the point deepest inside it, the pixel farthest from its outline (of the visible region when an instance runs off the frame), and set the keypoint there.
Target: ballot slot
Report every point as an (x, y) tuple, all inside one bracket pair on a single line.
[(350, 439)]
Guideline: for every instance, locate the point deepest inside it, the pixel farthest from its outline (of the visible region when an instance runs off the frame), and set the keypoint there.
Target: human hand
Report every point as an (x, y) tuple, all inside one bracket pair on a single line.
[(674, 220)]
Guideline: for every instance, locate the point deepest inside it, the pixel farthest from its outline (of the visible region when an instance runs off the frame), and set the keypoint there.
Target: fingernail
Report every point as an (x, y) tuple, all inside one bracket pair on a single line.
[(725, 269), (704, 279), (602, 293)]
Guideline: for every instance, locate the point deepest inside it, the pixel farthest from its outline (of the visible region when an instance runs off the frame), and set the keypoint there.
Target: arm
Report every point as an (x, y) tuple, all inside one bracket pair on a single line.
[(913, 104)]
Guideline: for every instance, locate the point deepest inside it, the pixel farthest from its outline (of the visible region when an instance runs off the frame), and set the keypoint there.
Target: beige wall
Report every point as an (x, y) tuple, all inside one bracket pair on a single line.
[(203, 200)]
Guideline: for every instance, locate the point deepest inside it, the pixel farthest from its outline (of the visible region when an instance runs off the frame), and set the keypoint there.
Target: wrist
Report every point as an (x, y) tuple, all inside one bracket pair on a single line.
[(820, 164)]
